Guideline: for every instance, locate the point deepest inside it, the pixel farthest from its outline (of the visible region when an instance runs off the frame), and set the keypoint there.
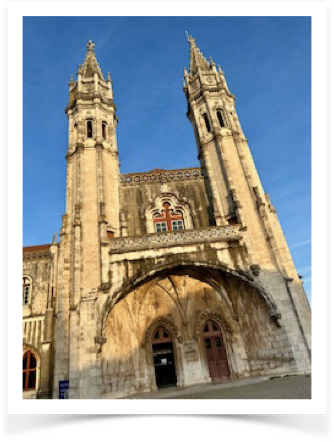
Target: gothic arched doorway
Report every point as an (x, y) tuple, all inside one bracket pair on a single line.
[(215, 351), (163, 356)]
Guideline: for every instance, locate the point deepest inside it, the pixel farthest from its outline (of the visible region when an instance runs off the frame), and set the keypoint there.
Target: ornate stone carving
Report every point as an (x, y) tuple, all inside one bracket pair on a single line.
[(168, 175), (170, 239), (165, 323)]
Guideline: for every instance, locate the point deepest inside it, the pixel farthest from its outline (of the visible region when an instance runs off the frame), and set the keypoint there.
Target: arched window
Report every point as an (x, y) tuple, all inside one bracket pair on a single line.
[(168, 213), (161, 335), (168, 219), (26, 290), (29, 371), (220, 118), (207, 122), (104, 130), (89, 128)]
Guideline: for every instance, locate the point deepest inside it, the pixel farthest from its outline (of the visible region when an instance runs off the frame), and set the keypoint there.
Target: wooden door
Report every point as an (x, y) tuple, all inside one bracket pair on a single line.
[(215, 351)]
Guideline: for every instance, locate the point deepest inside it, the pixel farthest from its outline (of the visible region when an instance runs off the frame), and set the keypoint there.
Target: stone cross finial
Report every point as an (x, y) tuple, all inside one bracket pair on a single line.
[(90, 46), (191, 40)]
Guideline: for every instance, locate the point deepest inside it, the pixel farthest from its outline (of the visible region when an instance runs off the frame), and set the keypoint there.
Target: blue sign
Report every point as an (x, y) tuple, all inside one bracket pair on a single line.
[(63, 389)]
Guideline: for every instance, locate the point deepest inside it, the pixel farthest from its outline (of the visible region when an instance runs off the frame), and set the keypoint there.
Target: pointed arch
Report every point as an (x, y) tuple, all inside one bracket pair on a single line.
[(176, 341), (162, 322), (201, 270), (31, 367)]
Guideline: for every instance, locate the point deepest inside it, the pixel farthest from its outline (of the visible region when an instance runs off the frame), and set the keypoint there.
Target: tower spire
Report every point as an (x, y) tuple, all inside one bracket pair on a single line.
[(90, 65), (196, 58)]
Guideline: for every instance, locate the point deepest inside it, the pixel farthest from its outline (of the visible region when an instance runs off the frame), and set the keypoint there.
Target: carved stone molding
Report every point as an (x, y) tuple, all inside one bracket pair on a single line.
[(214, 315), (164, 322), (170, 239), (162, 175)]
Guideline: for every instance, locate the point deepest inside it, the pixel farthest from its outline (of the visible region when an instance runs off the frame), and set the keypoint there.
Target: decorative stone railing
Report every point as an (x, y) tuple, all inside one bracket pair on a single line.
[(33, 330), (160, 175), (172, 239)]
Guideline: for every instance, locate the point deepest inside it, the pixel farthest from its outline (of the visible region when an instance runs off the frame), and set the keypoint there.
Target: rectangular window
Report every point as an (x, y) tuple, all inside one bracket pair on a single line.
[(26, 295), (161, 226), (177, 225)]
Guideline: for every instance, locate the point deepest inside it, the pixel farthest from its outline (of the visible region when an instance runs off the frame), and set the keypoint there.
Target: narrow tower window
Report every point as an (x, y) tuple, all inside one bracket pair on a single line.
[(89, 129), (207, 123), (104, 130), (26, 286), (220, 118)]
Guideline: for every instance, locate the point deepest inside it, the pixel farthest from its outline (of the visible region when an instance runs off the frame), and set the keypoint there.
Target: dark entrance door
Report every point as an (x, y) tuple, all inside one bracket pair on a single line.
[(215, 351), (162, 347)]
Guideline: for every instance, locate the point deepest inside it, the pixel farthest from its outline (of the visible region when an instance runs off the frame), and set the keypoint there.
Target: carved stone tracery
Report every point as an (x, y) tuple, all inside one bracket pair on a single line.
[(175, 205)]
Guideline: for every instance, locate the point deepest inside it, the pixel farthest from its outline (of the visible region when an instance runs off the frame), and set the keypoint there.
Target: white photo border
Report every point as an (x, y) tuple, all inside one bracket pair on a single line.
[(316, 405)]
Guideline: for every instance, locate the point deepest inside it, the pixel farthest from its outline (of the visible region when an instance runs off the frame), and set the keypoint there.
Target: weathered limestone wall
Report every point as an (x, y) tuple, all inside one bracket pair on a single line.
[(38, 269), (62, 308), (124, 266), (38, 265), (186, 184), (89, 218), (295, 319), (111, 190)]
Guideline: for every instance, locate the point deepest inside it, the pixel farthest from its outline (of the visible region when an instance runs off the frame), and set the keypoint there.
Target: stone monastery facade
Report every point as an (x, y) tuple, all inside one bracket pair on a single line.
[(170, 277)]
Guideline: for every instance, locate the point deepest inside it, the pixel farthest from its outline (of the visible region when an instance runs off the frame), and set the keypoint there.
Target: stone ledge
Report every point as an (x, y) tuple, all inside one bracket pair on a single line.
[(172, 239)]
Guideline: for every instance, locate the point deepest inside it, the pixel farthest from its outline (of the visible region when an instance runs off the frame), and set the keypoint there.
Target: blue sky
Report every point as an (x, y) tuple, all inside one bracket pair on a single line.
[(267, 63)]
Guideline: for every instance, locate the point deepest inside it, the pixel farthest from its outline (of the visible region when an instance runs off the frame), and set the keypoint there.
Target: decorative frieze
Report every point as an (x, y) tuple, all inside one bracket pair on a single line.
[(36, 252), (163, 176), (171, 239)]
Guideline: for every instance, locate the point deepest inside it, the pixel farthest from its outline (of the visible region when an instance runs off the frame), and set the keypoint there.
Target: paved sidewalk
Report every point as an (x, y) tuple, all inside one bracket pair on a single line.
[(284, 387)]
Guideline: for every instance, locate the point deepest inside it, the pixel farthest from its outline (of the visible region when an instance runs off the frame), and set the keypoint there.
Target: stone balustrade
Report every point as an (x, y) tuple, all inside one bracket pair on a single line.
[(160, 175), (172, 239), (33, 331)]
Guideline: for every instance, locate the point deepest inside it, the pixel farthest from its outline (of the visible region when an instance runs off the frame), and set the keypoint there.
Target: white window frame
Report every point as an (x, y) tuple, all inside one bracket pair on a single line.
[(177, 224), (161, 223)]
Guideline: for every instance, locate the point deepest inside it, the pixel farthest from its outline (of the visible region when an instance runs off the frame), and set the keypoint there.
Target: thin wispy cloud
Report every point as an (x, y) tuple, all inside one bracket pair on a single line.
[(300, 244), (307, 280), (306, 269)]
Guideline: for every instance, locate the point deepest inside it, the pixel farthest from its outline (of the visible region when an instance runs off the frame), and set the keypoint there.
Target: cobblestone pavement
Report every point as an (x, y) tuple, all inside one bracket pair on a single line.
[(284, 387)]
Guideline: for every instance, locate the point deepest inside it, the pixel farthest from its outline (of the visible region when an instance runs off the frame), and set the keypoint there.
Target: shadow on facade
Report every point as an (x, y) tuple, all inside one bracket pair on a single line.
[(180, 302)]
